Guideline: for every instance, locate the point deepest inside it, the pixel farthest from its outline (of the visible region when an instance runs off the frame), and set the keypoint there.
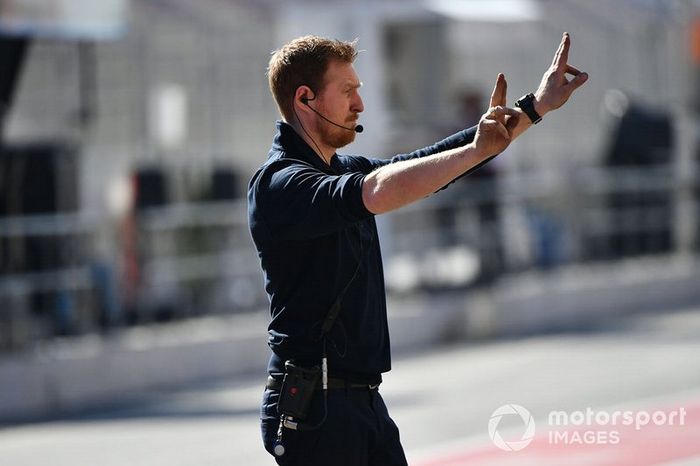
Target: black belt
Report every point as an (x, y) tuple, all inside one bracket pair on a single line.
[(333, 384)]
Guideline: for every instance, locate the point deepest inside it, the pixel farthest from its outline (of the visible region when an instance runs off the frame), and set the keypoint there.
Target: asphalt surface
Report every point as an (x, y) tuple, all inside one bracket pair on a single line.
[(442, 400)]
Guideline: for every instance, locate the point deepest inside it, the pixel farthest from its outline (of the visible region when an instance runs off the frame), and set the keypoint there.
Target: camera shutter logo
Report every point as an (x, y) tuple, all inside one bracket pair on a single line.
[(528, 423)]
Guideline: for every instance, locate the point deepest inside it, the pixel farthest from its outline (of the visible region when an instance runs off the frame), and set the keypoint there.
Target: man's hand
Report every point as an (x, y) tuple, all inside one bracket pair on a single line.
[(555, 89), (495, 130)]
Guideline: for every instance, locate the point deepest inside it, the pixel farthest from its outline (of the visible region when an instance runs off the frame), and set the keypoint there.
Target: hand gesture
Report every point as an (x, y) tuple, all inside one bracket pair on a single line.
[(496, 126), (555, 89)]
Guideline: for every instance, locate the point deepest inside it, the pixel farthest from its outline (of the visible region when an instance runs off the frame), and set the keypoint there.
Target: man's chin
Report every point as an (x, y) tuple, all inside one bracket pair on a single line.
[(342, 140)]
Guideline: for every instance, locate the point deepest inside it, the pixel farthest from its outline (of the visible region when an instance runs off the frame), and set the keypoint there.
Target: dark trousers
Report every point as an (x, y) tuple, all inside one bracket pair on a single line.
[(357, 431)]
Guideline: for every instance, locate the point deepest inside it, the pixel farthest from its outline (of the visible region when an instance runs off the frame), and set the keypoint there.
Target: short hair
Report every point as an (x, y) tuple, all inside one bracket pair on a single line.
[(304, 61)]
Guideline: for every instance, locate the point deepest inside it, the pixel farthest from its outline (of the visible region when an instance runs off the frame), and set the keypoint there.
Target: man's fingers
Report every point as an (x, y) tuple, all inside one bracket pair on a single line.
[(491, 124), (498, 96), (557, 53), (578, 81), (512, 123), (502, 130), (504, 89), (500, 112), (571, 70), (494, 94), (562, 54)]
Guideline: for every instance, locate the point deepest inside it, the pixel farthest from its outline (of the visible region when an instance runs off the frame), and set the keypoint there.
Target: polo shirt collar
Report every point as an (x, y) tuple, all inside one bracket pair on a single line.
[(288, 142)]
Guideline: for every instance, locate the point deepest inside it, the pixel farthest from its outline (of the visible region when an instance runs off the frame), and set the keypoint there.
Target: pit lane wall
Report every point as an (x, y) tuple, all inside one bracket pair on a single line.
[(70, 376)]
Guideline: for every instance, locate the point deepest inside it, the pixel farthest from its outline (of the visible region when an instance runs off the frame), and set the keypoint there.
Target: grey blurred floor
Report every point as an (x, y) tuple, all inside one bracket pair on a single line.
[(441, 399)]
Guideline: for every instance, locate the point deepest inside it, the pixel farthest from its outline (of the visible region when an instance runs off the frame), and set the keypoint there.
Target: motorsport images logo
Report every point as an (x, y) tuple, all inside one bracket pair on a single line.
[(528, 427), (589, 426)]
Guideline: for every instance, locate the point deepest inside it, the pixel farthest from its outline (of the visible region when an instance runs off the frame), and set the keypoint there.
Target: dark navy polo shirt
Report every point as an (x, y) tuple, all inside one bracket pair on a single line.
[(311, 230)]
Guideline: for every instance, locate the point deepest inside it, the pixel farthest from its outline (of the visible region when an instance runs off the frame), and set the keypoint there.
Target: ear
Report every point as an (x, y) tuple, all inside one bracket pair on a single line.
[(303, 94)]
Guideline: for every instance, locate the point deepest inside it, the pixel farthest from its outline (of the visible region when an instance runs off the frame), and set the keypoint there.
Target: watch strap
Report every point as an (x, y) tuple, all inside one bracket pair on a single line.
[(527, 105)]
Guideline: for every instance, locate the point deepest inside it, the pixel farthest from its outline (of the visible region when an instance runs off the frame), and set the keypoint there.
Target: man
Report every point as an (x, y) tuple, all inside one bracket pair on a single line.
[(311, 214)]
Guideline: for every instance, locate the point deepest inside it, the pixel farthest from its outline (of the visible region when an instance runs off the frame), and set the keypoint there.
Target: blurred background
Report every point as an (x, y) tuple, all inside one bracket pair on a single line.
[(132, 309)]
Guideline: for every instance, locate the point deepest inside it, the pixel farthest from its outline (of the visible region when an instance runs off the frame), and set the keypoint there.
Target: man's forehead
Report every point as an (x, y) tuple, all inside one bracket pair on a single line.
[(342, 73)]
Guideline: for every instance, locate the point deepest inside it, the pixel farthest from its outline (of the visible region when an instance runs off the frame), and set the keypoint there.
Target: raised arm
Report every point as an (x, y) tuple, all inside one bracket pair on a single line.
[(555, 88), (401, 183)]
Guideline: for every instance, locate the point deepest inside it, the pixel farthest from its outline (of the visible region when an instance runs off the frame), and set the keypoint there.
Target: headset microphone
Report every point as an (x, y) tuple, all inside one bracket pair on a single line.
[(357, 128)]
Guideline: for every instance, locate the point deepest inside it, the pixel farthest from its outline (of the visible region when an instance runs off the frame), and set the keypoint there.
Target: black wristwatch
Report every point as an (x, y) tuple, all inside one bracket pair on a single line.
[(526, 103)]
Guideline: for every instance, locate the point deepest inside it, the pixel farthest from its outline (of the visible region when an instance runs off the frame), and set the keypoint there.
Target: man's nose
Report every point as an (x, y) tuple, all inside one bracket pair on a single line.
[(357, 105)]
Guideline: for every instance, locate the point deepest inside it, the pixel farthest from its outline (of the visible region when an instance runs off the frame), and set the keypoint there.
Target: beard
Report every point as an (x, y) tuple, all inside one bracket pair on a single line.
[(336, 137)]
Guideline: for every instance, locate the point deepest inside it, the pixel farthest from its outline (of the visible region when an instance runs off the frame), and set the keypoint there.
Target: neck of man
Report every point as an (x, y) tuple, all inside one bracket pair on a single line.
[(324, 152)]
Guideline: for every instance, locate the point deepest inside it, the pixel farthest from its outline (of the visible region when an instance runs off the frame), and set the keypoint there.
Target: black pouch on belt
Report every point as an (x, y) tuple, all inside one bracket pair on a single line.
[(297, 390)]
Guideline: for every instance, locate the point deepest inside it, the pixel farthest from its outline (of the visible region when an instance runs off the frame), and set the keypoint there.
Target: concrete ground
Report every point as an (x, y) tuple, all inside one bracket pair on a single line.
[(441, 398)]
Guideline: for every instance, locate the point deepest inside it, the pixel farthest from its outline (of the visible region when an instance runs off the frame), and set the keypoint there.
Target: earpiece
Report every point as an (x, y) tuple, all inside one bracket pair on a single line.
[(305, 100)]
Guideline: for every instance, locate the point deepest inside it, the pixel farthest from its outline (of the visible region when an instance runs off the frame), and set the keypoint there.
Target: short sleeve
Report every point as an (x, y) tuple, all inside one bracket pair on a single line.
[(298, 201)]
